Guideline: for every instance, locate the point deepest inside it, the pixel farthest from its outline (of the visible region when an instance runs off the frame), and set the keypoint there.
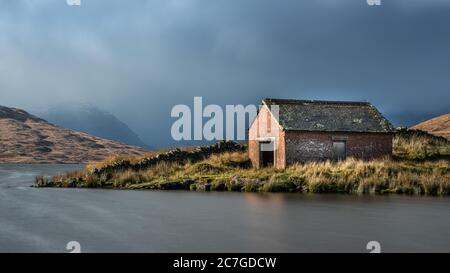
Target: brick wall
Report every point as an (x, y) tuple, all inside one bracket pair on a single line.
[(317, 146), (299, 146), (281, 150), (261, 130)]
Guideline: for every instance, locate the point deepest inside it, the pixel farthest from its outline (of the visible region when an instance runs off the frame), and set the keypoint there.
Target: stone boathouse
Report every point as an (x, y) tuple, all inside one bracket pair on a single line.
[(305, 130)]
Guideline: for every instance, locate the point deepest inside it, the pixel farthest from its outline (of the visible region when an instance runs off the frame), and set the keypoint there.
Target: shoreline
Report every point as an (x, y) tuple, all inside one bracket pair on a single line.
[(420, 165), (378, 177), (293, 193)]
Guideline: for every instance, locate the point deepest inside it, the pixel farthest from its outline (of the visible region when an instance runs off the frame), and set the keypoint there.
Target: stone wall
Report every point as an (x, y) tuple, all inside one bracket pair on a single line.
[(174, 156)]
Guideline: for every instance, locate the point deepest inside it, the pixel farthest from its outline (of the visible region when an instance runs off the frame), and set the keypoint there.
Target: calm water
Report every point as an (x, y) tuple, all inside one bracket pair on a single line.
[(44, 220)]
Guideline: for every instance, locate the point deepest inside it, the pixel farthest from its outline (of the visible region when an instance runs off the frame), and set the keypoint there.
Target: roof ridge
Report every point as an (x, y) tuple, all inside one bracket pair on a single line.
[(297, 101)]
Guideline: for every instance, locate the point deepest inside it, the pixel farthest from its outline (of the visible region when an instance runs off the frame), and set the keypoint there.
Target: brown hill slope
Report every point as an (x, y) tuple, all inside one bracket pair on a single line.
[(439, 126), (25, 138)]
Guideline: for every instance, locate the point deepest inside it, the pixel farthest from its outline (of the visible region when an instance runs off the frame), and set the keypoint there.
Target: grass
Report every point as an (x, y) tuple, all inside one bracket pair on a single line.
[(418, 145), (415, 169)]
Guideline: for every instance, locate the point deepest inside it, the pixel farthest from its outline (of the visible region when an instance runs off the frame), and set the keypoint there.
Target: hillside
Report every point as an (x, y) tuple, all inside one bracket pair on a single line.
[(89, 119), (25, 138), (439, 126)]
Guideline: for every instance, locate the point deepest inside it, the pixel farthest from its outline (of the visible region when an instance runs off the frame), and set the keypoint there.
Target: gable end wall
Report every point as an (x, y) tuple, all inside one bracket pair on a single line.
[(256, 133)]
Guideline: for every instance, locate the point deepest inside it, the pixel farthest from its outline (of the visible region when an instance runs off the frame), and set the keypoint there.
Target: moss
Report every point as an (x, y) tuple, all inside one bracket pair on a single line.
[(177, 185), (235, 184), (218, 185), (146, 185), (250, 187), (279, 186), (206, 168)]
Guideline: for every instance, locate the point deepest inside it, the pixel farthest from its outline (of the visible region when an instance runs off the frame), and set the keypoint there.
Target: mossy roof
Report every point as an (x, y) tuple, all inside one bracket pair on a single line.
[(337, 116)]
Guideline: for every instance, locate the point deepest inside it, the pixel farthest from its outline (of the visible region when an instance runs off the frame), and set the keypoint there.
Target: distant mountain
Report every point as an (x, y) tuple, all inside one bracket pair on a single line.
[(25, 138), (91, 120), (439, 126)]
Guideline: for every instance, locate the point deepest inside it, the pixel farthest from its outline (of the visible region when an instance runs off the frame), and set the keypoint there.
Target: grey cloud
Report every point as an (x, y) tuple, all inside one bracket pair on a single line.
[(139, 58)]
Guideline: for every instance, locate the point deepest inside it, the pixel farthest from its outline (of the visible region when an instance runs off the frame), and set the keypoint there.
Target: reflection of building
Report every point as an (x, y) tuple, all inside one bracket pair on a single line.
[(302, 130)]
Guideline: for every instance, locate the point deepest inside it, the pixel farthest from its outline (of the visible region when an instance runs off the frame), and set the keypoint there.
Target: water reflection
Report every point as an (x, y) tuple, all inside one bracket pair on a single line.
[(42, 220)]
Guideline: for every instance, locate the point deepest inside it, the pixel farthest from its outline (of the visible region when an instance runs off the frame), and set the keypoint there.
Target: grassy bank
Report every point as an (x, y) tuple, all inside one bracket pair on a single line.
[(411, 144), (415, 169)]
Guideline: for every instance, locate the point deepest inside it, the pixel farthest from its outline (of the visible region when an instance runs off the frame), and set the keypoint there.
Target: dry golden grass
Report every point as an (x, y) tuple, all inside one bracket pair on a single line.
[(232, 171), (225, 172), (132, 159), (419, 147)]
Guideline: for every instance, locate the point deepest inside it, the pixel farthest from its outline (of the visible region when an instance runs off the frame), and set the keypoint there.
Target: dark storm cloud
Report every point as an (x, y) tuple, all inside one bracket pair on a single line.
[(139, 58)]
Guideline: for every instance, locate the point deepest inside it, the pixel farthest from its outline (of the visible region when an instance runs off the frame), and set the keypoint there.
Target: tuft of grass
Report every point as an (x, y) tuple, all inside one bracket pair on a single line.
[(418, 145)]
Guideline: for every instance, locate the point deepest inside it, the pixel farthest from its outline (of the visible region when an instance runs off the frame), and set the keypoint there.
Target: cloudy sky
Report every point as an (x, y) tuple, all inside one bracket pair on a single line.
[(137, 59)]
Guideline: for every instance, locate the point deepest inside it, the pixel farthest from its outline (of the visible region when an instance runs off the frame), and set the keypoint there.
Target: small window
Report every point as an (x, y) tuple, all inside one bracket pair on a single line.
[(339, 150)]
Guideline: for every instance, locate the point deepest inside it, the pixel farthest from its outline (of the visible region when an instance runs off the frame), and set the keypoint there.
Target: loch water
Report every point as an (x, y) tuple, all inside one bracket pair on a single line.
[(46, 219)]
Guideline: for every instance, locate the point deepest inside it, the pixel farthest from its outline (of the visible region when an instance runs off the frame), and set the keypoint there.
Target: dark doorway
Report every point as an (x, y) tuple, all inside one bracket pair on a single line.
[(339, 150), (267, 153)]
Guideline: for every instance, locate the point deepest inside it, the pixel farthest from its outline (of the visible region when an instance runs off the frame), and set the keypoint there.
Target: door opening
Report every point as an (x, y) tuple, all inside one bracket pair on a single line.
[(339, 150), (267, 153)]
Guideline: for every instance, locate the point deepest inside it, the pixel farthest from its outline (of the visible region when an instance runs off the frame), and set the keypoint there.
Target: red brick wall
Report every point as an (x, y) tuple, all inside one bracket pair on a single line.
[(281, 150), (260, 130), (253, 152), (299, 146), (316, 146)]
